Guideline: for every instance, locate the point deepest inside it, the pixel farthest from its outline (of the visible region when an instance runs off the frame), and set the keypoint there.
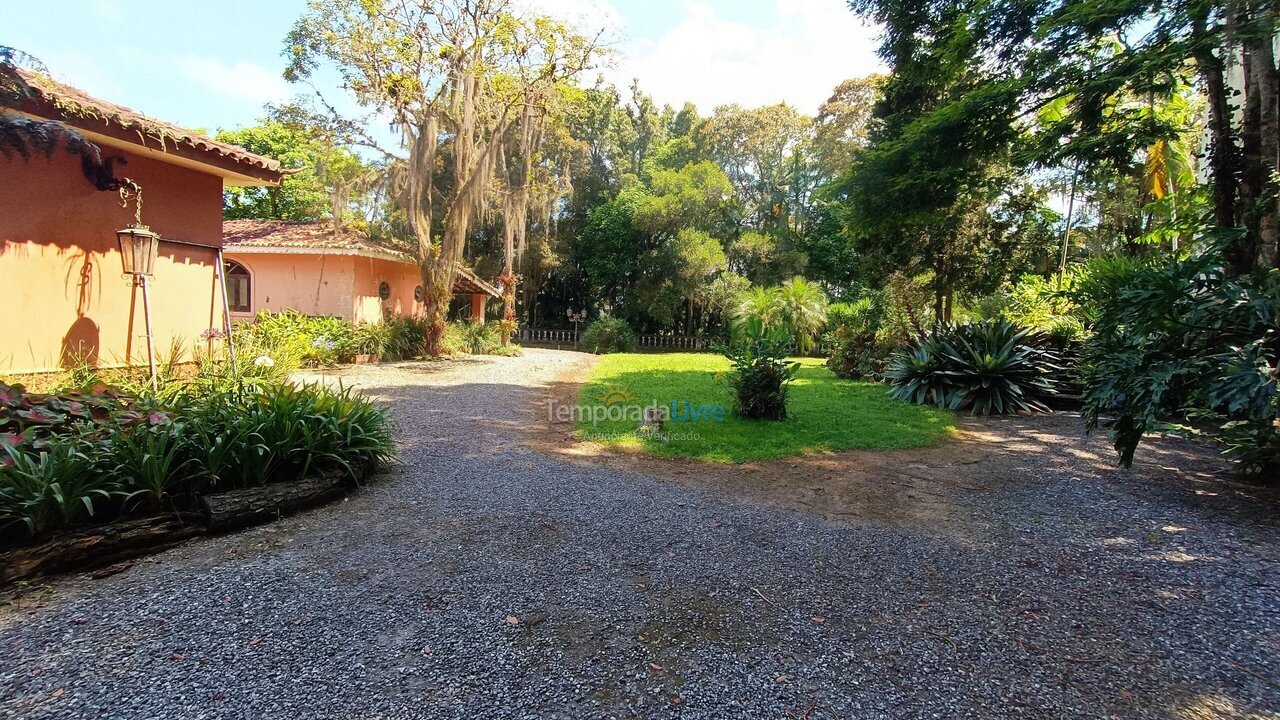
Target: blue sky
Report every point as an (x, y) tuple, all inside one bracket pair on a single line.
[(214, 64)]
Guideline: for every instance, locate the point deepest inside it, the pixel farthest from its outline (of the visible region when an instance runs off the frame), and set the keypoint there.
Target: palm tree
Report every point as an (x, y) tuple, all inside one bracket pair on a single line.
[(759, 303), (802, 310)]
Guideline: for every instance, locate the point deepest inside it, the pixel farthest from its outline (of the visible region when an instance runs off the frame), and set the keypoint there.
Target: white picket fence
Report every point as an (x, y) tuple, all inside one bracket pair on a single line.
[(645, 342), (548, 337), (542, 336), (674, 342)]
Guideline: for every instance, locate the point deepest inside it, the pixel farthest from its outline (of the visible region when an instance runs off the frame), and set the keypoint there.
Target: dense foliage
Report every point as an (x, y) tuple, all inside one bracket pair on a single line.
[(1186, 341), (476, 338), (325, 179), (990, 368), (95, 455), (291, 339), (856, 348), (608, 334), (797, 309)]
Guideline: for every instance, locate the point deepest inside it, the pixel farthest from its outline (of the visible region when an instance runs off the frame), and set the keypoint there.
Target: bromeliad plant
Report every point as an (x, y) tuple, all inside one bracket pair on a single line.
[(991, 367), (761, 371)]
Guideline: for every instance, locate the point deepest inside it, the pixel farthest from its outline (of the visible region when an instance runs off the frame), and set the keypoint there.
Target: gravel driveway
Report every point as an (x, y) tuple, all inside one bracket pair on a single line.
[(1067, 595)]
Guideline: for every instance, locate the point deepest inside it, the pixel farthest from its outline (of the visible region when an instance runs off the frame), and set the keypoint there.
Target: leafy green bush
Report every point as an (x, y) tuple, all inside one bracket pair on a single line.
[(276, 344), (990, 367), (473, 337), (761, 371), (857, 347), (52, 487), (608, 334), (93, 456), (398, 338), (1185, 344)]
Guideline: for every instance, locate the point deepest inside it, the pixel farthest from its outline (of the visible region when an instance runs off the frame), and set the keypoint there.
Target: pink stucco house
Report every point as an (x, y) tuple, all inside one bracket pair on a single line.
[(316, 269), (65, 299)]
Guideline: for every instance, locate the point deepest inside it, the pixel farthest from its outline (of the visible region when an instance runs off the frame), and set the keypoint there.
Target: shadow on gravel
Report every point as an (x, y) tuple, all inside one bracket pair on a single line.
[(1013, 572)]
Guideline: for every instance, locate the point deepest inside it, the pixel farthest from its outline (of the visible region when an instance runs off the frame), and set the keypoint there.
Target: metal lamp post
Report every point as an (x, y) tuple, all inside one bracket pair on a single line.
[(575, 318), (138, 249)]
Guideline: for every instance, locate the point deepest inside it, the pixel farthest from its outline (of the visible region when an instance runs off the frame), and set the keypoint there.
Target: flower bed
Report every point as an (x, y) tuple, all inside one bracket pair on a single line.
[(87, 458)]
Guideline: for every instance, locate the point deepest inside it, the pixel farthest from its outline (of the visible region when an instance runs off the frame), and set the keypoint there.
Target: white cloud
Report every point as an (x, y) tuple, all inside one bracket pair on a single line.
[(585, 14), (712, 61), (243, 80)]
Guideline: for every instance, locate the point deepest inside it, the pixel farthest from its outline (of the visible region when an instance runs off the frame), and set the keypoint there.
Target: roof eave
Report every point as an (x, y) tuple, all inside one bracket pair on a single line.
[(104, 133), (233, 248)]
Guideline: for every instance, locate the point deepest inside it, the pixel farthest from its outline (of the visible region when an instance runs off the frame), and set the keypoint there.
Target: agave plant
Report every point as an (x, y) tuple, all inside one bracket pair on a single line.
[(991, 367), (916, 373)]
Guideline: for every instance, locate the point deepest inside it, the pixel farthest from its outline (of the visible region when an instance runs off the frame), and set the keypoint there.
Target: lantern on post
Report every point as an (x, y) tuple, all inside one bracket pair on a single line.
[(575, 318), (138, 249)]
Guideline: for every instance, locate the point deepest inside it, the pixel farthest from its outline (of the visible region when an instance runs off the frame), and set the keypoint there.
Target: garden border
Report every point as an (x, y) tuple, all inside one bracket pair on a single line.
[(95, 547)]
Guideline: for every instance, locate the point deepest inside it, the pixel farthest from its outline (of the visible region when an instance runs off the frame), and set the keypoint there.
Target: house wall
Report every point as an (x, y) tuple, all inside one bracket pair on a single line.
[(310, 284), (403, 277), (345, 286), (61, 288)]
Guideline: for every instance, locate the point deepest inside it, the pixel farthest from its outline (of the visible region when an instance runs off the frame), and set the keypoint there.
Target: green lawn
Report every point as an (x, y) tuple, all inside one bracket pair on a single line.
[(824, 412)]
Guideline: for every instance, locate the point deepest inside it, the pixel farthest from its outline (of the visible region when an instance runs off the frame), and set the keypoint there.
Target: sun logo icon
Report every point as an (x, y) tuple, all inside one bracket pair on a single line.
[(614, 395)]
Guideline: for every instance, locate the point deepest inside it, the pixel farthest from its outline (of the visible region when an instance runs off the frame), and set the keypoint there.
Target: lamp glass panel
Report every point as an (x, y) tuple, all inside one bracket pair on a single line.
[(126, 251), (145, 253)]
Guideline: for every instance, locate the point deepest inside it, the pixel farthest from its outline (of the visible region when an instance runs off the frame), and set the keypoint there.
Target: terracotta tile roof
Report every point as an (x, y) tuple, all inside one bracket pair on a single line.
[(287, 236), (80, 109)]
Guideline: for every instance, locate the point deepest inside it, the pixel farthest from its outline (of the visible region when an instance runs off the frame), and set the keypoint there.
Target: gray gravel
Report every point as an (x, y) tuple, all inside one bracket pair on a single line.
[(1072, 594)]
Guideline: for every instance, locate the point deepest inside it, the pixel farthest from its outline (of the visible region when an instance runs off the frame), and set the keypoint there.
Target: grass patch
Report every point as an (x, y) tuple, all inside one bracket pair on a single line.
[(825, 413)]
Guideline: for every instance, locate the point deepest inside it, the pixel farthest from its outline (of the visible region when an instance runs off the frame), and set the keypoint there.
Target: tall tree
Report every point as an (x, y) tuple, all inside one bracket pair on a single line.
[(968, 76), (764, 153), (321, 171), (470, 71)]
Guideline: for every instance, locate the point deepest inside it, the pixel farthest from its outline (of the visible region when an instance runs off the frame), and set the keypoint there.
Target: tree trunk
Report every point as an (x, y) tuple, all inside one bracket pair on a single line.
[(1264, 92), (1252, 180), (96, 547), (1224, 156)]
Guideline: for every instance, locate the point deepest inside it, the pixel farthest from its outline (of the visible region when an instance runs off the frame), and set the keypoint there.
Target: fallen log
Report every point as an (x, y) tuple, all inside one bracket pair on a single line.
[(97, 547), (103, 545), (241, 508)]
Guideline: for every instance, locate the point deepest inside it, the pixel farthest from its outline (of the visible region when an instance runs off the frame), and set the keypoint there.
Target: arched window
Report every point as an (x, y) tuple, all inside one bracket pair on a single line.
[(384, 290), (237, 279)]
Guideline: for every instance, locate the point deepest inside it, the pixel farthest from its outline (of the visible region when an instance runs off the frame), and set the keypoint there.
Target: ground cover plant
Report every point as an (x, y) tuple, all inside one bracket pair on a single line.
[(825, 413)]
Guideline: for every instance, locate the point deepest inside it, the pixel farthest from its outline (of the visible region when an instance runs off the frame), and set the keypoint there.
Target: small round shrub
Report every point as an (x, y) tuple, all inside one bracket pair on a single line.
[(608, 335)]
